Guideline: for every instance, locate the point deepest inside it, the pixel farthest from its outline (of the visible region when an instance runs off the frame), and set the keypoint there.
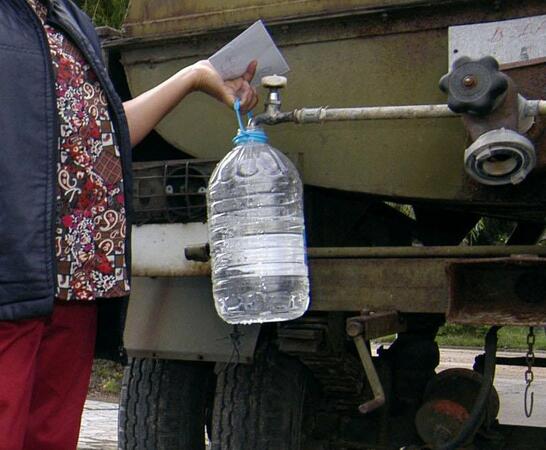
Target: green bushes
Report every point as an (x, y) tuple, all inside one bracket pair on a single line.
[(105, 12)]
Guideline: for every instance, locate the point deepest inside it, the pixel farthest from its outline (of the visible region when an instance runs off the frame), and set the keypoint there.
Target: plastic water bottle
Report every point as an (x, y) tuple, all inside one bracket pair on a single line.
[(257, 234)]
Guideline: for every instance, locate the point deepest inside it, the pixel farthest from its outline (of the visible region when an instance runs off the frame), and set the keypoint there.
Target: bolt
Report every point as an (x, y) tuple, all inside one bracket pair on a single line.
[(469, 81), (354, 328)]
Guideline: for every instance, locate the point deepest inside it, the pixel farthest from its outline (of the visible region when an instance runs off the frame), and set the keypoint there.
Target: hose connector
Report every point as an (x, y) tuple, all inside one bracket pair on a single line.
[(500, 157)]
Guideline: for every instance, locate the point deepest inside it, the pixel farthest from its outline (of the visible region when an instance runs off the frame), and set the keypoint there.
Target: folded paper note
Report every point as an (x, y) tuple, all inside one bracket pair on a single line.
[(254, 43)]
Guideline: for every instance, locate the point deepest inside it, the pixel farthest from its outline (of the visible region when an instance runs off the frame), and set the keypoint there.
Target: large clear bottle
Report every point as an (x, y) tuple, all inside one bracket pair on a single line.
[(257, 234)]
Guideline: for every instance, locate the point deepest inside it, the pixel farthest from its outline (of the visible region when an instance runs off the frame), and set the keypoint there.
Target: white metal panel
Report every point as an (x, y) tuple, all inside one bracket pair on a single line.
[(509, 41), (175, 318)]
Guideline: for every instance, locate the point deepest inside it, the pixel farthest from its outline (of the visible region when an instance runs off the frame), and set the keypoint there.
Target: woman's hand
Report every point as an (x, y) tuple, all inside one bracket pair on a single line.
[(145, 111), (209, 81)]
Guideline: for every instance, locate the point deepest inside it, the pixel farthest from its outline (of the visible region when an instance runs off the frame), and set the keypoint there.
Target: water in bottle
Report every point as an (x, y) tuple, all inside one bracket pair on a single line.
[(257, 234)]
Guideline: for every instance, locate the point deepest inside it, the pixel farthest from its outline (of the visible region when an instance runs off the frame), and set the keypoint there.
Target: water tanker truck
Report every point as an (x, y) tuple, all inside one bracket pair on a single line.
[(434, 105)]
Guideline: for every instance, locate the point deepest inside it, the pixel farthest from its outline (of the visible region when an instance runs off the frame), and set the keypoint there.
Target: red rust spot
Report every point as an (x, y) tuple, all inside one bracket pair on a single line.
[(451, 409)]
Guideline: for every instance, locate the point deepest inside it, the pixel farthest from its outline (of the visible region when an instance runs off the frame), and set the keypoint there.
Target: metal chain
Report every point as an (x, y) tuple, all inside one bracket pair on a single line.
[(528, 400)]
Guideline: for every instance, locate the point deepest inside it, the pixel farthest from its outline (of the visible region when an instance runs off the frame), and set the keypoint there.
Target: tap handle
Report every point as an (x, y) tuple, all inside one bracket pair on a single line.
[(274, 82), (474, 86)]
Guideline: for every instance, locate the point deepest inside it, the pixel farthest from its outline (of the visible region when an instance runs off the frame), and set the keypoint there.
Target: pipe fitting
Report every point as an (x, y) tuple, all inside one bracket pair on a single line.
[(500, 157)]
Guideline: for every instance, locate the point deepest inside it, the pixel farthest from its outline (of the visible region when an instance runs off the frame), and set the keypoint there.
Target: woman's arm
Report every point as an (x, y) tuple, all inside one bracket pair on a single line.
[(145, 111)]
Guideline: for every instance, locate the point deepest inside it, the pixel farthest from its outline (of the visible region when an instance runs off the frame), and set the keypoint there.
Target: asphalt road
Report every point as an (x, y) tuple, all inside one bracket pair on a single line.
[(99, 424)]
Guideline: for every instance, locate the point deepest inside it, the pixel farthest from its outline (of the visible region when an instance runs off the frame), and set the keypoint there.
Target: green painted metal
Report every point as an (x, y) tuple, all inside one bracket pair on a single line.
[(340, 56)]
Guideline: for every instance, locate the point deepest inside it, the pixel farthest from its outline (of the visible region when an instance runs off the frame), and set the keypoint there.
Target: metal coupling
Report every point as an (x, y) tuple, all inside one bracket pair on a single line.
[(535, 108), (500, 157), (310, 115)]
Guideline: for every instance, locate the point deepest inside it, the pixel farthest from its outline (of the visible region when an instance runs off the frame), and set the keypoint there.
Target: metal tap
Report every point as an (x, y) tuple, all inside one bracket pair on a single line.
[(273, 114)]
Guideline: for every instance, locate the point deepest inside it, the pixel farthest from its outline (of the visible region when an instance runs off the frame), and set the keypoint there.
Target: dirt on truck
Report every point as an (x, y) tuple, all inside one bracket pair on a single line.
[(434, 105)]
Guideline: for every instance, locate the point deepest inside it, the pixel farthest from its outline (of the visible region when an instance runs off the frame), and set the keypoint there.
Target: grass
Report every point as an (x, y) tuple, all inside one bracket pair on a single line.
[(105, 12), (105, 380), (510, 338)]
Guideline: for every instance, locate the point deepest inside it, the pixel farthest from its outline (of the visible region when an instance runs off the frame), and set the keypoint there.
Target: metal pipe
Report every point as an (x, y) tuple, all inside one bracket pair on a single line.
[(535, 108), (326, 114), (426, 252), (148, 264), (471, 426)]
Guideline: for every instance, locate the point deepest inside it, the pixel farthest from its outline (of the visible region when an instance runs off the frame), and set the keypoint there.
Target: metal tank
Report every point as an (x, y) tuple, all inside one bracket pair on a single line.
[(341, 54)]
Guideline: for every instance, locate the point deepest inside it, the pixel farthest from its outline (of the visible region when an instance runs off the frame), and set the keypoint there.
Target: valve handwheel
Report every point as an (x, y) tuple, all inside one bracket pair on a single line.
[(474, 86), (274, 82)]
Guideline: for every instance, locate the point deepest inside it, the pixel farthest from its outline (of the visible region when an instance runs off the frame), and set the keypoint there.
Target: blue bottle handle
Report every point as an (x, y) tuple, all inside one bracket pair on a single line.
[(237, 108), (244, 134)]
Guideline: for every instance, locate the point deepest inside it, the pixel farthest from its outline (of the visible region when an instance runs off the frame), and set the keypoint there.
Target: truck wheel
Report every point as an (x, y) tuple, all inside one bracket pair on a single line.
[(260, 406), (163, 405)]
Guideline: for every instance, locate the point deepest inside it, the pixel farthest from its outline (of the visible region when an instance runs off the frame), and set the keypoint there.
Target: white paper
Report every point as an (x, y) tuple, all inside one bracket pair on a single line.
[(254, 43)]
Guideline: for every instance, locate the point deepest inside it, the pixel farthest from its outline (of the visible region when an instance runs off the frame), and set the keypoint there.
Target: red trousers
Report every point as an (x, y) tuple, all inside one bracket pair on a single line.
[(45, 366)]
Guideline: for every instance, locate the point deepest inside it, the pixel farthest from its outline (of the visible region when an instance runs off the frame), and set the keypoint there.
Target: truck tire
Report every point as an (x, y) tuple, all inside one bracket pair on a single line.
[(260, 406), (163, 405)]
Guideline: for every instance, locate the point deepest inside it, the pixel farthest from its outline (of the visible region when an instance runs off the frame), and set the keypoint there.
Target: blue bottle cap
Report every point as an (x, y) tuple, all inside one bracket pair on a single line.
[(250, 135), (245, 135)]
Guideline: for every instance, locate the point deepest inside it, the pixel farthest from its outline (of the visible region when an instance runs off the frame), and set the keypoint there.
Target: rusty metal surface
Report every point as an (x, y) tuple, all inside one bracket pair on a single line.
[(164, 17), (501, 291), (156, 256), (356, 24), (448, 401), (404, 279), (485, 293), (405, 285), (191, 269), (460, 251), (462, 386)]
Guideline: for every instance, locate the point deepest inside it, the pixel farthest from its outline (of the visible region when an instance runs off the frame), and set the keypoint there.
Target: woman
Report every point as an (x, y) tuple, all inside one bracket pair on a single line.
[(65, 193)]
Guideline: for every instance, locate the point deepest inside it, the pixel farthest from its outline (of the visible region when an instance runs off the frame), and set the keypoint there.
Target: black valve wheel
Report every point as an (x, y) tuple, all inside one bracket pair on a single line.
[(474, 86)]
